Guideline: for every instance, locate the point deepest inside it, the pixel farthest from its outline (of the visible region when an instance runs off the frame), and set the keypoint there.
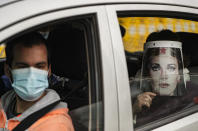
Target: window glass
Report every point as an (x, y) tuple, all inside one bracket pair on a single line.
[(161, 55), (71, 43)]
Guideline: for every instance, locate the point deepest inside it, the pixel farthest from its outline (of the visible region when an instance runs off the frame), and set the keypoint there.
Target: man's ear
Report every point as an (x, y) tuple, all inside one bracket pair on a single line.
[(7, 70), (49, 71)]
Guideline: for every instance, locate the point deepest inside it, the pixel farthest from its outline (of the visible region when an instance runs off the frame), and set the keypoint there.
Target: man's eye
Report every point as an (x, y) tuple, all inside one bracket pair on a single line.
[(40, 66), (155, 67), (171, 67)]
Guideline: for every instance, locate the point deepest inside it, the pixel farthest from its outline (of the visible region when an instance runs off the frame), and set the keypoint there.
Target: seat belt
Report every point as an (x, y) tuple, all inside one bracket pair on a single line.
[(28, 121)]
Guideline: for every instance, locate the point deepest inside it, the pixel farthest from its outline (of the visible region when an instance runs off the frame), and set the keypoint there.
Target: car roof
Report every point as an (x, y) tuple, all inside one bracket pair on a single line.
[(71, 3), (12, 11)]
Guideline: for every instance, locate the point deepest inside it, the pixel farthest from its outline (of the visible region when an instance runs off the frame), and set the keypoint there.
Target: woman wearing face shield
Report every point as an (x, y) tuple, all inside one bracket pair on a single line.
[(162, 83)]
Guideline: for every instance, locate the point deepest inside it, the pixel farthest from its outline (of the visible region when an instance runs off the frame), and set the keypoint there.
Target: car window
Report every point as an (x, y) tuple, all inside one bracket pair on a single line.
[(159, 107), (73, 62)]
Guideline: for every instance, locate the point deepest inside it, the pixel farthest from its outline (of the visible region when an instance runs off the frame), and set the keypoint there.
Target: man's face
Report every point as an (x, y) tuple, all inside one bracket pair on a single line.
[(164, 74), (35, 56), (25, 57)]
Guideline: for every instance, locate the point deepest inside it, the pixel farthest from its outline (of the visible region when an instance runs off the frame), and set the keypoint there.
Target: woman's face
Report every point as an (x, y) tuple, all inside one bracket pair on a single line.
[(164, 74)]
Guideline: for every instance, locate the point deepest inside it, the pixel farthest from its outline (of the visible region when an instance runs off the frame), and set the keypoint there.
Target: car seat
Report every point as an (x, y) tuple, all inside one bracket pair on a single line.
[(68, 60), (190, 53)]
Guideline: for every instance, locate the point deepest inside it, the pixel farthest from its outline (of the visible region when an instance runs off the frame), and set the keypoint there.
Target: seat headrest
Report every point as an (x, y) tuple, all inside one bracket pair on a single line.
[(189, 46), (68, 54)]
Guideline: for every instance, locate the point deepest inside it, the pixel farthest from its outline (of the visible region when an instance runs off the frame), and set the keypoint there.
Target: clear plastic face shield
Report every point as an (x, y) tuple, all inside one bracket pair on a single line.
[(162, 68)]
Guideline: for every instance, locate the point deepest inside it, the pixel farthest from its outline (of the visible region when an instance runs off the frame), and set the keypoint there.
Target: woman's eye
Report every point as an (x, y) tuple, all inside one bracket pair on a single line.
[(155, 67), (171, 67)]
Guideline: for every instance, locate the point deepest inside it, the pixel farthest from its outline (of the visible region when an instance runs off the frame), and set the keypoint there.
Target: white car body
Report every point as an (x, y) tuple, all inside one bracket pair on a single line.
[(19, 15)]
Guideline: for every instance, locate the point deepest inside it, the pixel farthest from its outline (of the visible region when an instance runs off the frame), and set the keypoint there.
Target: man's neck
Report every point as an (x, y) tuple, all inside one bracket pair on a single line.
[(22, 105)]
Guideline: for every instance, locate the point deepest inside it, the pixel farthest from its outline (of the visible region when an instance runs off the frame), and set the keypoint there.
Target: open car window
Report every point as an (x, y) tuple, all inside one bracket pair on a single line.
[(161, 109), (74, 64)]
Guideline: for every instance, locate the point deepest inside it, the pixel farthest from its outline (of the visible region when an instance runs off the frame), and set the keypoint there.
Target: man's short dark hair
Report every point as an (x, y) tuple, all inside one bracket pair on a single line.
[(27, 40)]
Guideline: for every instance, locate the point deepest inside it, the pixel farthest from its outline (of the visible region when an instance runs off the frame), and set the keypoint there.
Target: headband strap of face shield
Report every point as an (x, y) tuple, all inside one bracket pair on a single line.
[(161, 44)]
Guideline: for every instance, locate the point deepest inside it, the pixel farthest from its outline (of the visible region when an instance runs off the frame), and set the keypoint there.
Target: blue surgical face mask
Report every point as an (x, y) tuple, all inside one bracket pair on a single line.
[(29, 83)]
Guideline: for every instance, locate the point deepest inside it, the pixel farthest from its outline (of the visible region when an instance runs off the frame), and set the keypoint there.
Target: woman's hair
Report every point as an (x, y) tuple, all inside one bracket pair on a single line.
[(163, 35)]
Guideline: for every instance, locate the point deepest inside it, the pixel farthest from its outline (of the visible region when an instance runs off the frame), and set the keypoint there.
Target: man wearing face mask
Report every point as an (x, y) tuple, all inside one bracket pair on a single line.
[(28, 66)]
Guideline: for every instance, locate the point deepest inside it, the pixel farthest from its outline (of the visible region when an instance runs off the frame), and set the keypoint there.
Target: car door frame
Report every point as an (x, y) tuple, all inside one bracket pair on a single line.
[(121, 66), (109, 85)]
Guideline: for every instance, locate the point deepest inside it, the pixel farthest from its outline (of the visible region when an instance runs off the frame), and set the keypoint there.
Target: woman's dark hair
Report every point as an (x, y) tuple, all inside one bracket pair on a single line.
[(163, 35), (27, 40)]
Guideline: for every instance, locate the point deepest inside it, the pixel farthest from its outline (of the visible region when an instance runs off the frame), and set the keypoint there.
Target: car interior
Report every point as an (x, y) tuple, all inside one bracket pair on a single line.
[(190, 56), (68, 57), (67, 46)]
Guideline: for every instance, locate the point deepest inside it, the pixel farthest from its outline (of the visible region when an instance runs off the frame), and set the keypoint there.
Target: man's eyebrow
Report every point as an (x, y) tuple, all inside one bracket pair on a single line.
[(41, 63), (20, 63)]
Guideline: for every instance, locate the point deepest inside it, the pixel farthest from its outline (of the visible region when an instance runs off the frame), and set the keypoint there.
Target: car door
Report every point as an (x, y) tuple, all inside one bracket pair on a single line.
[(130, 25), (101, 109)]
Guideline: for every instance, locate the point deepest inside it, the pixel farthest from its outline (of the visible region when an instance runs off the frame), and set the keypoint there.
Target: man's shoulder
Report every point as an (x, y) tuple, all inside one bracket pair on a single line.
[(50, 97), (54, 119), (8, 96), (7, 99)]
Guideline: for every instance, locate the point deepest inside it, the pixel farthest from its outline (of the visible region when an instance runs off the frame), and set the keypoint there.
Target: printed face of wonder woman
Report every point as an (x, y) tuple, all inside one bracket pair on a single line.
[(164, 73)]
